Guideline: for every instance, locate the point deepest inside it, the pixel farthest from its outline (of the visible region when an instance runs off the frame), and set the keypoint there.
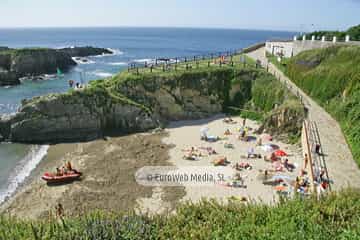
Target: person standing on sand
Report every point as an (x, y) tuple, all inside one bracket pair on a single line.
[(71, 83), (244, 122), (59, 210), (306, 160), (317, 149)]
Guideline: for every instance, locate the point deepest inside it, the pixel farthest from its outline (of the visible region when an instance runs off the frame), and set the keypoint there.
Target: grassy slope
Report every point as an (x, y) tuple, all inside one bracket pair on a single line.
[(337, 216), (332, 77)]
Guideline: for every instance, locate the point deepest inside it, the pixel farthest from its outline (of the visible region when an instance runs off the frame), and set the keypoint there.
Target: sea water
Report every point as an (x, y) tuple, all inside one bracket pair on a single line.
[(128, 44)]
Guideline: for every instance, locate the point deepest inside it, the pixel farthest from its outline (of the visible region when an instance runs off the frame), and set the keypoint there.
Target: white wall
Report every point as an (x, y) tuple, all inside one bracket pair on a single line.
[(286, 48)]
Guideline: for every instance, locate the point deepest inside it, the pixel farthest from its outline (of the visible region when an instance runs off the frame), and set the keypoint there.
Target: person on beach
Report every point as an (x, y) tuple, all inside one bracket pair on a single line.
[(317, 149), (259, 142), (59, 210), (244, 122), (58, 172), (306, 160), (71, 83), (68, 166), (289, 166)]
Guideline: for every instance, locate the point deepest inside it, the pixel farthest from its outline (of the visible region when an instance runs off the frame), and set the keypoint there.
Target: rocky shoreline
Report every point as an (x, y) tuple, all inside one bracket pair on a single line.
[(18, 63)]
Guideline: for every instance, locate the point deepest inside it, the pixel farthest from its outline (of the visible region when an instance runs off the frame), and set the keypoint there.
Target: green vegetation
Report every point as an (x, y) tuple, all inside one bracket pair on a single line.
[(22, 51), (274, 60), (336, 216), (353, 32), (331, 76)]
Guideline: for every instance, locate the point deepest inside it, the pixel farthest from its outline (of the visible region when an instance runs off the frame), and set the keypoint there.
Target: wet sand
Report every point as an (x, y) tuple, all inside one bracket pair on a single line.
[(108, 183)]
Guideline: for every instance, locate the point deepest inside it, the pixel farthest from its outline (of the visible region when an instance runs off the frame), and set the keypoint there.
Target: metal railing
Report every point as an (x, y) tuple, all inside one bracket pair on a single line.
[(218, 59)]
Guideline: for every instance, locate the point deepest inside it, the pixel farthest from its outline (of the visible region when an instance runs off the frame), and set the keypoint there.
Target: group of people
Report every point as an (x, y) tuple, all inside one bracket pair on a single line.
[(77, 84), (66, 169), (195, 153)]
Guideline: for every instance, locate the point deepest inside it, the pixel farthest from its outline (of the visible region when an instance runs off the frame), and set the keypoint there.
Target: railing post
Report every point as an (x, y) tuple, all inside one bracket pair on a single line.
[(347, 38)]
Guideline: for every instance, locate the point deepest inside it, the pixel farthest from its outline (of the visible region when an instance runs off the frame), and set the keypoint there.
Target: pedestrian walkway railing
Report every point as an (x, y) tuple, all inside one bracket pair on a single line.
[(219, 59)]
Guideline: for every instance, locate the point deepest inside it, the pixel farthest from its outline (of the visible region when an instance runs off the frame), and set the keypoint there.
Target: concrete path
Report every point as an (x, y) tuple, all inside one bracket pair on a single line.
[(341, 166)]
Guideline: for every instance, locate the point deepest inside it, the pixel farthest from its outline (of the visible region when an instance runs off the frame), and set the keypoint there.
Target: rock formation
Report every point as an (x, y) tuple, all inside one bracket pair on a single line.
[(125, 104), (130, 103), (17, 63)]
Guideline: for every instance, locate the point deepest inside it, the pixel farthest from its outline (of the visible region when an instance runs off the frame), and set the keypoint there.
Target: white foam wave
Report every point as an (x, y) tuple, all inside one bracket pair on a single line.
[(114, 51), (101, 74), (147, 60), (23, 169), (118, 63), (81, 60)]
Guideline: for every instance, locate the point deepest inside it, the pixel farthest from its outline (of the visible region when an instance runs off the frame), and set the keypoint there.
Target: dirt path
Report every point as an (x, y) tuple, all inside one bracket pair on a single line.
[(341, 166)]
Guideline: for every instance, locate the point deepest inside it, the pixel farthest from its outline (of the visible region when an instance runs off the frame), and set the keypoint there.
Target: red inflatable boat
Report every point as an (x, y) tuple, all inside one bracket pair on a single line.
[(65, 178)]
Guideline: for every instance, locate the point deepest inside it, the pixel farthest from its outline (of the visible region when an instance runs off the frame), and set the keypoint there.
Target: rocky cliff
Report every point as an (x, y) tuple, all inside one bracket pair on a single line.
[(17, 63), (85, 51), (129, 103), (124, 104)]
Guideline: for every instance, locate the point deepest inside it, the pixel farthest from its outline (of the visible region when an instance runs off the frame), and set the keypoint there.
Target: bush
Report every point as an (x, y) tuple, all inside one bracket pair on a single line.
[(334, 82), (336, 216)]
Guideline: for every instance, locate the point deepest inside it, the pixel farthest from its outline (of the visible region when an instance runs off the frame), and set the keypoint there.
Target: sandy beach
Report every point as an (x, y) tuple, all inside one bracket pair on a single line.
[(109, 167), (186, 134), (108, 182)]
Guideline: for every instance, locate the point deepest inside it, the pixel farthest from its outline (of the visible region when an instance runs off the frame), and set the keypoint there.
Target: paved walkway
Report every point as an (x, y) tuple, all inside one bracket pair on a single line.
[(341, 166)]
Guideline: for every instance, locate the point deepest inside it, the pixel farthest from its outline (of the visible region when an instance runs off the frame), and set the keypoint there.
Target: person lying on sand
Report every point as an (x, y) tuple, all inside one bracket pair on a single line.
[(238, 181), (209, 150), (228, 145), (289, 166), (252, 154), (278, 167), (220, 161), (229, 120), (210, 138), (193, 151), (227, 132), (242, 166), (190, 157), (271, 158)]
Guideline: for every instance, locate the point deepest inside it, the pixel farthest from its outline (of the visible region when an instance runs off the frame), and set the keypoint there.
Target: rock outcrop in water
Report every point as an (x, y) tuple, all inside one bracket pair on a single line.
[(85, 51), (18, 63)]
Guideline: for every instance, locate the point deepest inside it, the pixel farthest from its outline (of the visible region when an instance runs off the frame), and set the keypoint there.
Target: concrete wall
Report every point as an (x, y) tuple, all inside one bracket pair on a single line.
[(292, 48), (276, 48)]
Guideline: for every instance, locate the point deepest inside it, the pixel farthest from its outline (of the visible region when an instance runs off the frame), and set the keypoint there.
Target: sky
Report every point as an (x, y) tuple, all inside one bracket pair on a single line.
[(297, 15)]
